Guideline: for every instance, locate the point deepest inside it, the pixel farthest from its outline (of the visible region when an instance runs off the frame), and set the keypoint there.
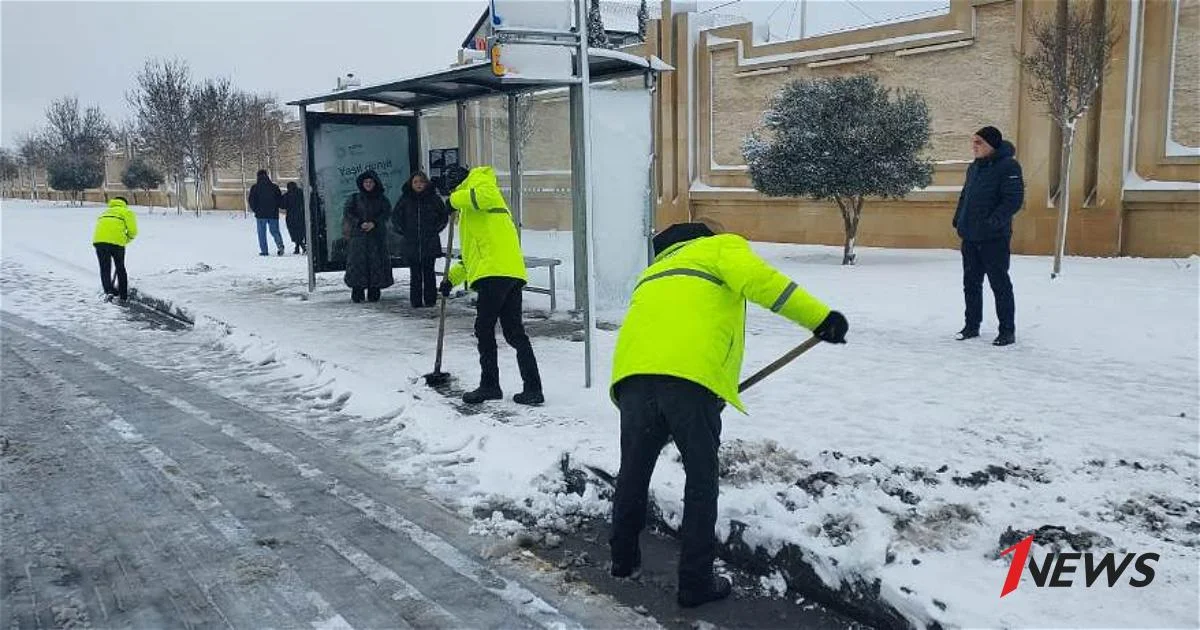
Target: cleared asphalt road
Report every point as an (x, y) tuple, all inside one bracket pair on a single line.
[(134, 498)]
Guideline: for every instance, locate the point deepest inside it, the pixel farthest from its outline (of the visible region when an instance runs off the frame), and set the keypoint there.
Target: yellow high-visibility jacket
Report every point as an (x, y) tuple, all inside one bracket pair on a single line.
[(490, 247), (116, 226), (687, 317)]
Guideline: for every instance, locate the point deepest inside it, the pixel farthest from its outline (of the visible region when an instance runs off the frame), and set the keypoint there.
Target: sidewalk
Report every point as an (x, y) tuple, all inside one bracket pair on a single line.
[(888, 470)]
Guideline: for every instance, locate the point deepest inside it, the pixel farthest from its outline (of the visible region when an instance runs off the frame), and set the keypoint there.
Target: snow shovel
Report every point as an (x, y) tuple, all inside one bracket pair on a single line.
[(437, 376), (780, 362)]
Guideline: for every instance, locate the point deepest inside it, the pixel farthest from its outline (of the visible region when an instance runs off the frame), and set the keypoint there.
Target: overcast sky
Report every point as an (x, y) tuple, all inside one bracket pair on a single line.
[(94, 50)]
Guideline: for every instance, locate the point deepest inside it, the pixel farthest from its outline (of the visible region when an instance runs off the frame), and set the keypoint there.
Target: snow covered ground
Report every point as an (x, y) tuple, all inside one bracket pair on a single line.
[(904, 456)]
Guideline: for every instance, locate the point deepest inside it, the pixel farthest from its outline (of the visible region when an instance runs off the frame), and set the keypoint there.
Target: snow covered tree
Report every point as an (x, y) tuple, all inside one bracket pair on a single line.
[(643, 16), (210, 107), (35, 152), (75, 173), (1066, 67), (597, 36), (84, 134), (141, 175), (840, 138), (10, 170), (160, 103)]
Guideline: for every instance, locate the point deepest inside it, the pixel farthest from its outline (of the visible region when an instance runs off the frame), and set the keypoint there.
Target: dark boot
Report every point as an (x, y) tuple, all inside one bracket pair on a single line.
[(297, 249), (373, 295), (632, 570), (967, 333), (1005, 339), (481, 394), (356, 295), (719, 588), (529, 397)]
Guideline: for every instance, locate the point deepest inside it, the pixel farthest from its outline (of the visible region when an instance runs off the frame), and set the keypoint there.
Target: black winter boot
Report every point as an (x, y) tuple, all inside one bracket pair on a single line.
[(373, 295), (967, 333), (356, 296), (1005, 339), (529, 397), (720, 588), (481, 394)]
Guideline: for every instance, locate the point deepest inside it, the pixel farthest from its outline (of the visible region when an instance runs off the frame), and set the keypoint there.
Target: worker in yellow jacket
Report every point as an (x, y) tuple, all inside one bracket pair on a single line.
[(492, 265), (115, 228), (677, 362)]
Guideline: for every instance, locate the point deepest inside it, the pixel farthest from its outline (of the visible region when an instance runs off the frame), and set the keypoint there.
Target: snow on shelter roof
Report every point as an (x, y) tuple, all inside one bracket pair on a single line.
[(475, 80)]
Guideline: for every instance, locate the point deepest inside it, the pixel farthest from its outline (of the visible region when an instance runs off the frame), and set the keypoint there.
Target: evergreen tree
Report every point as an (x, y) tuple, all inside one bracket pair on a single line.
[(75, 173), (643, 15), (844, 139), (597, 36), (141, 175)]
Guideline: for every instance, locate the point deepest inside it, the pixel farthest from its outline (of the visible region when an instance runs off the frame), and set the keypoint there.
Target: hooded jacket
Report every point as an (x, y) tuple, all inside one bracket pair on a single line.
[(265, 198), (490, 247), (992, 193), (117, 225), (419, 218), (364, 206), (687, 317)]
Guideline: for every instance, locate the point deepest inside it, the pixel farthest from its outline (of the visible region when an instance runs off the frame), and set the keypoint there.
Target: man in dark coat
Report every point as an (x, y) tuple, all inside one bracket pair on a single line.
[(293, 204), (419, 218), (265, 201), (364, 223), (993, 192)]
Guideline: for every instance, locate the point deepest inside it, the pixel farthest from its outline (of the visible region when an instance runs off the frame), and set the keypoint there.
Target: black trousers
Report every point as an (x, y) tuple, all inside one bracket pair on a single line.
[(500, 299), (422, 284), (653, 409), (108, 254), (990, 258)]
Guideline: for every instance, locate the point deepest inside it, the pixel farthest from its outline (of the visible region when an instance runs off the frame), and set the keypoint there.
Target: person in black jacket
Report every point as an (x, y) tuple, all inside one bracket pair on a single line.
[(993, 192), (293, 204), (265, 201), (364, 223), (419, 218)]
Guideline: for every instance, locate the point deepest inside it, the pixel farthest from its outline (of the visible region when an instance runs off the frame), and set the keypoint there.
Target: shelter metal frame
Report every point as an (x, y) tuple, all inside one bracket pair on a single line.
[(475, 80)]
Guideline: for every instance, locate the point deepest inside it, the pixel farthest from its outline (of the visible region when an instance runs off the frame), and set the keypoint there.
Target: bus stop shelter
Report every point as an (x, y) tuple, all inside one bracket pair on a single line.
[(337, 147)]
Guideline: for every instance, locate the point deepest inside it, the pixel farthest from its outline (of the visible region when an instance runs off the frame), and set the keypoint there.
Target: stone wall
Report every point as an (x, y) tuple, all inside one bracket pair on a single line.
[(1185, 94)]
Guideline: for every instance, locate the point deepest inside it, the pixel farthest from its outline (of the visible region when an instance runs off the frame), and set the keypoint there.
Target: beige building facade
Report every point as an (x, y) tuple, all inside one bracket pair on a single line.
[(1136, 164)]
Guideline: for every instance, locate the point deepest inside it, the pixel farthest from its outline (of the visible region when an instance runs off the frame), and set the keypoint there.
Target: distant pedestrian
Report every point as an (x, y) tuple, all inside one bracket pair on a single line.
[(293, 205), (368, 264), (265, 201), (993, 192), (116, 227), (419, 218)]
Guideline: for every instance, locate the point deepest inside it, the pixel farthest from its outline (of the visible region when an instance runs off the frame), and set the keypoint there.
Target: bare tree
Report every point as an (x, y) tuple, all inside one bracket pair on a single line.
[(10, 170), (212, 142), (86, 135), (1070, 57), (160, 102), (35, 152)]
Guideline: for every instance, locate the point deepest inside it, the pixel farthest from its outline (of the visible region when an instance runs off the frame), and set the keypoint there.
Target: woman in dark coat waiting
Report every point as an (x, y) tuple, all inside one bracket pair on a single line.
[(419, 218), (293, 204), (368, 265)]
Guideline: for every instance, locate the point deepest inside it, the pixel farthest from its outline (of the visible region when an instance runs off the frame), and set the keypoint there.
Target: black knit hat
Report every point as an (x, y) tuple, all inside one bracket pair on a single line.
[(991, 135), (679, 233), (455, 175)]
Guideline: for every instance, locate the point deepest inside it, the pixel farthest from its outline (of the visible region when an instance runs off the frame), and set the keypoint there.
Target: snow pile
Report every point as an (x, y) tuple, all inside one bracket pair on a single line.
[(897, 467)]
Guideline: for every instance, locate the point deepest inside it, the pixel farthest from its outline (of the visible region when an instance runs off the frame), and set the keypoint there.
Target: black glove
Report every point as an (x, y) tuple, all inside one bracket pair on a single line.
[(833, 329), (445, 288)]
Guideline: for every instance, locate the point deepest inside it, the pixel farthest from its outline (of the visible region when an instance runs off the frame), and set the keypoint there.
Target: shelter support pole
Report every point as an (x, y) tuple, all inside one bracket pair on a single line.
[(461, 111), (581, 145), (516, 198), (422, 142), (306, 191)]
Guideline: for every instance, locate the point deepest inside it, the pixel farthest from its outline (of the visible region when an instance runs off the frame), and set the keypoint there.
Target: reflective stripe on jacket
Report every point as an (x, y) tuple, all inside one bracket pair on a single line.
[(687, 317), (490, 247), (116, 226)]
